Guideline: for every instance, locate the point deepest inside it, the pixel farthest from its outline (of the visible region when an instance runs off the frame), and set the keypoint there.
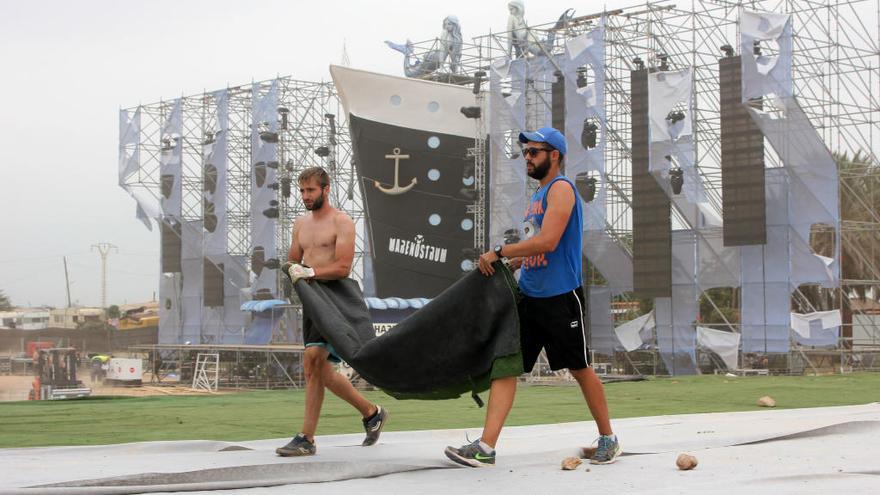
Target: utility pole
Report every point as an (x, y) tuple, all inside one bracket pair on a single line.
[(67, 281), (104, 250)]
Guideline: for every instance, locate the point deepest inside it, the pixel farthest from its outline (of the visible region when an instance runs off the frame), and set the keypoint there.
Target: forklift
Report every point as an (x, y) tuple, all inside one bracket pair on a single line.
[(55, 375)]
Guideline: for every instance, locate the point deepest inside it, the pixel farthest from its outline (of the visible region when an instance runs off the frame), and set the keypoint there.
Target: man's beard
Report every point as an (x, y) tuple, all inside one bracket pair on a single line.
[(539, 171), (318, 203)]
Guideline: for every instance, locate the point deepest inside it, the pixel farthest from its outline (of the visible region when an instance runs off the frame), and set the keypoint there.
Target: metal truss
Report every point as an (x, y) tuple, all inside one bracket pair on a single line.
[(313, 131), (836, 77)]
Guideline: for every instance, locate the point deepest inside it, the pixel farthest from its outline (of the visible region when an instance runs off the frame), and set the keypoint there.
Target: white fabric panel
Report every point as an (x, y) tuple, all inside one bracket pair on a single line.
[(768, 73), (613, 262), (264, 116), (146, 207), (226, 324), (812, 187), (666, 91), (170, 163), (508, 196), (235, 320), (129, 134), (805, 325), (725, 344), (192, 265), (719, 266), (588, 51), (602, 337), (683, 257), (215, 155), (676, 337), (820, 337), (629, 334), (169, 308)]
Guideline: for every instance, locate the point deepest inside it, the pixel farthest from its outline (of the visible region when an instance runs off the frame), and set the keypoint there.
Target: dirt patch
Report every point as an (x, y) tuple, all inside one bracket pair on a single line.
[(16, 387)]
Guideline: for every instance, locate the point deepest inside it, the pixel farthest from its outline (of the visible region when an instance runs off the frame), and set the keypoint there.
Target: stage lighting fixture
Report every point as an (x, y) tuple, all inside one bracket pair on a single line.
[(282, 111), (270, 212), (472, 112), (285, 187), (581, 78), (586, 186), (675, 116), (289, 166), (639, 63), (331, 122), (322, 151), (478, 81), (273, 164), (588, 135), (269, 137), (676, 179), (664, 61), (757, 47), (728, 50), (273, 186)]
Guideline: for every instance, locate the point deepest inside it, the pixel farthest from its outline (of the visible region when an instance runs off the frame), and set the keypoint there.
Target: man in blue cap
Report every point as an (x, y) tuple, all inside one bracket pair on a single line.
[(551, 312)]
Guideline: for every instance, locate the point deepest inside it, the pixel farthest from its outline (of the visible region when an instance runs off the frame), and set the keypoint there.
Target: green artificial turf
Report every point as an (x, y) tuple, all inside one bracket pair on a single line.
[(274, 414)]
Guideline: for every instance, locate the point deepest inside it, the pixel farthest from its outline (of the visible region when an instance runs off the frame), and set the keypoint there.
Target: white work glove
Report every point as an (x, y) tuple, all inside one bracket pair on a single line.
[(297, 271)]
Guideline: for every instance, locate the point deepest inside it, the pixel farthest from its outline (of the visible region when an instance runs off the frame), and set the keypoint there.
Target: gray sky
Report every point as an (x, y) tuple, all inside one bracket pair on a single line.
[(69, 66)]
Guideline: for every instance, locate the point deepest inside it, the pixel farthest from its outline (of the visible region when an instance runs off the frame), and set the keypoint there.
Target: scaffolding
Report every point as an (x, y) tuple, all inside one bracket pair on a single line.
[(310, 117), (836, 78)]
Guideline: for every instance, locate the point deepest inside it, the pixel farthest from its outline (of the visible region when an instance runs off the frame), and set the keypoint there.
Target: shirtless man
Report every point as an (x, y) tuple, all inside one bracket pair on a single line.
[(322, 248)]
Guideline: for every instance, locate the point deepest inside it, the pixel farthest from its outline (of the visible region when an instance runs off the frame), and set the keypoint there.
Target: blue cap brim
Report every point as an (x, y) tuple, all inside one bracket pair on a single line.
[(525, 137)]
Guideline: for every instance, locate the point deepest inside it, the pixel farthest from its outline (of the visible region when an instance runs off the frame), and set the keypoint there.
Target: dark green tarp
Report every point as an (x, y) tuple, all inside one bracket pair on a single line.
[(457, 343)]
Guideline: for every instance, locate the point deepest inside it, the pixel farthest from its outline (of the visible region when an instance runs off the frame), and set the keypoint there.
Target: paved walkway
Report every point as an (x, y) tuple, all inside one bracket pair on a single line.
[(818, 450)]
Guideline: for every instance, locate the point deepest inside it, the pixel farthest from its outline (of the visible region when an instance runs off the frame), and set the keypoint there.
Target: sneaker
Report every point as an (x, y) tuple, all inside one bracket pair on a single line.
[(300, 445), (373, 426), (607, 452), (471, 455)]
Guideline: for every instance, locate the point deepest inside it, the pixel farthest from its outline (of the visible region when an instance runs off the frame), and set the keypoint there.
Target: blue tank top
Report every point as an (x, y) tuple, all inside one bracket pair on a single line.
[(559, 271)]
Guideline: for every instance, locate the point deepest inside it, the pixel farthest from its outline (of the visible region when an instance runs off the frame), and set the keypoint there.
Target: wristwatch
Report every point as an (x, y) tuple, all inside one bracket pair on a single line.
[(498, 249)]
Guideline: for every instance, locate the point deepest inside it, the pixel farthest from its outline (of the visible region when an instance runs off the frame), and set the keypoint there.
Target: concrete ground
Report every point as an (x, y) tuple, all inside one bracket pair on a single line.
[(776, 451)]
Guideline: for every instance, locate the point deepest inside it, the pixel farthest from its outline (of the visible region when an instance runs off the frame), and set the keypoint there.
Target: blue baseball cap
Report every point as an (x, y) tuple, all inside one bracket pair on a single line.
[(547, 135)]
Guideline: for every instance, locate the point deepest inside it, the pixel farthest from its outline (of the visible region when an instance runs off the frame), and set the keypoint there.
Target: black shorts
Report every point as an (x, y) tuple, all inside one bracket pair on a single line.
[(313, 338), (557, 325)]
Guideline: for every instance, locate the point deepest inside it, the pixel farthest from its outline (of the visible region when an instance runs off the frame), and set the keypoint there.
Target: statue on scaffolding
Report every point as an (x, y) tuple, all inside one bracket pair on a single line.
[(447, 46), (521, 42)]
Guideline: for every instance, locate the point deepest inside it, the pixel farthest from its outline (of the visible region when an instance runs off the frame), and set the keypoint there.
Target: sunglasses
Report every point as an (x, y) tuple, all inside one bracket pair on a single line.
[(533, 152)]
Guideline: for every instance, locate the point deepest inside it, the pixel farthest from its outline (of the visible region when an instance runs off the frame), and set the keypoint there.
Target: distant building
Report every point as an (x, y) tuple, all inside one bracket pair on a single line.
[(25, 319), (73, 317)]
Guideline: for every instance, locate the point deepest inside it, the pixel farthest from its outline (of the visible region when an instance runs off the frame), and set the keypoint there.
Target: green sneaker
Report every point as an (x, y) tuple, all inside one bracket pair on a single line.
[(608, 450), (471, 455)]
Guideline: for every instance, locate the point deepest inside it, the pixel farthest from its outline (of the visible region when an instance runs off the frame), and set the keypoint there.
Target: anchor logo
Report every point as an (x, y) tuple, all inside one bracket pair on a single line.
[(395, 189)]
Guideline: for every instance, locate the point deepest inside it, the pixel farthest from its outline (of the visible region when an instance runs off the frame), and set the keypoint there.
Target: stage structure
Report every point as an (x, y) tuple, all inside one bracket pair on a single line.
[(216, 172), (773, 103)]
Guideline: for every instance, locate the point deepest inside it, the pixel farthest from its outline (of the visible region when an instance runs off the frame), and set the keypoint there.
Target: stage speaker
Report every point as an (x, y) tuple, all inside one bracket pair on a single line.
[(557, 103), (213, 284), (742, 163), (171, 247), (652, 228)]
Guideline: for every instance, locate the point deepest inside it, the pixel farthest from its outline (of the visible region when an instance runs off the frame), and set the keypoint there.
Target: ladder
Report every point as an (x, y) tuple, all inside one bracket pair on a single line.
[(207, 372)]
